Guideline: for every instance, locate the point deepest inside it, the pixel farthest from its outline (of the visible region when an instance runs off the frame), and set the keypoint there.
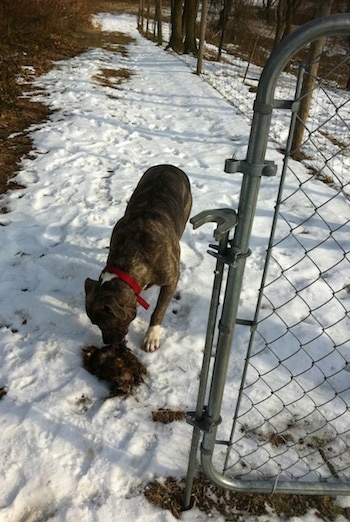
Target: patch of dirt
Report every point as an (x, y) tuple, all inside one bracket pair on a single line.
[(15, 142), (112, 77), (165, 416), (117, 365), (3, 392)]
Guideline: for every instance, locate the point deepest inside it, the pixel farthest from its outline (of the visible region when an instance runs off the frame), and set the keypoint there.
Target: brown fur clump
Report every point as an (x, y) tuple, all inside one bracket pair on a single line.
[(115, 364)]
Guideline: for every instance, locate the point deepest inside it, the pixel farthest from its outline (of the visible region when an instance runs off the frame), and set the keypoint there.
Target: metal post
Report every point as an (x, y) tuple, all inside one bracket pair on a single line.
[(226, 219)]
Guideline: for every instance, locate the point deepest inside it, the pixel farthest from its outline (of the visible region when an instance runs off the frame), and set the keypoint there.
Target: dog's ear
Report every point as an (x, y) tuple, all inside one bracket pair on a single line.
[(90, 286), (122, 313)]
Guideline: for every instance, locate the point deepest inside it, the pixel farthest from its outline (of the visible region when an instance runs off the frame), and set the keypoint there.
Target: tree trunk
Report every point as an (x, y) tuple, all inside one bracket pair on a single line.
[(309, 82), (202, 35), (224, 21), (348, 82), (158, 19), (176, 36), (281, 7), (285, 11), (190, 17), (291, 7), (268, 10), (148, 7), (140, 17)]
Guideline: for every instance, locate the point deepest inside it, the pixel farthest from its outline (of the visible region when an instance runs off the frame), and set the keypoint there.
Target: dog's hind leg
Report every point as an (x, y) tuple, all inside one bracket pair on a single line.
[(151, 340)]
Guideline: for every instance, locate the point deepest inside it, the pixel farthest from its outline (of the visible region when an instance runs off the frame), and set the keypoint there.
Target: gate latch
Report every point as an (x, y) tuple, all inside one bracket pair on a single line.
[(226, 218)]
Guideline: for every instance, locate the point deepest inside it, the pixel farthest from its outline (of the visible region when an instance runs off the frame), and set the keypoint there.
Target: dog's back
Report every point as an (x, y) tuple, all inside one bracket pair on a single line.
[(163, 192)]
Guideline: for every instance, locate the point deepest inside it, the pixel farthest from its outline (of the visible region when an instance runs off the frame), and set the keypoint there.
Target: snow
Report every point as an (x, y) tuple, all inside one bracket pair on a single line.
[(67, 453)]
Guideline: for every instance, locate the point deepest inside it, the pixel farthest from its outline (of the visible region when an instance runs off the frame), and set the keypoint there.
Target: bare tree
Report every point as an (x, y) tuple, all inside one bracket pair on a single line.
[(233, 14), (190, 16), (324, 8), (183, 26), (348, 82), (284, 16), (148, 9), (223, 24), (158, 21), (140, 15), (203, 28), (268, 5), (176, 36)]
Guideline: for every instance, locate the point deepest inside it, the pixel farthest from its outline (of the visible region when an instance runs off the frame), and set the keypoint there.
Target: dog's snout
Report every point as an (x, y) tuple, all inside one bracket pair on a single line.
[(112, 336), (108, 337)]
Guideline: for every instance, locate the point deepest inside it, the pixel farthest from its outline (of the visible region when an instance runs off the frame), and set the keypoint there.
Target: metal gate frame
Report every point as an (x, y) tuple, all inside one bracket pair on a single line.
[(233, 254)]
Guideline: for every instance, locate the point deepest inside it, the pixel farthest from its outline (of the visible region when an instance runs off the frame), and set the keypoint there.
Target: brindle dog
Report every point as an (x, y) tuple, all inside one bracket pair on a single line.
[(144, 251)]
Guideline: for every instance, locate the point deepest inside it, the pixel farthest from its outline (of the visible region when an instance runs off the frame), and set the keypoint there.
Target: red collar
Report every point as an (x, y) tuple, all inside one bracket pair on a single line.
[(129, 281)]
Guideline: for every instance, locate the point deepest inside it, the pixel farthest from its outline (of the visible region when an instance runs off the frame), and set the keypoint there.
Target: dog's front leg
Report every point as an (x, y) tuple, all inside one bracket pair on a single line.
[(151, 340)]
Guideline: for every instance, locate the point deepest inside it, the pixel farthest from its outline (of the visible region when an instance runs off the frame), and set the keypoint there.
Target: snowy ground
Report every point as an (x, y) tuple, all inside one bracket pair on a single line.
[(67, 453)]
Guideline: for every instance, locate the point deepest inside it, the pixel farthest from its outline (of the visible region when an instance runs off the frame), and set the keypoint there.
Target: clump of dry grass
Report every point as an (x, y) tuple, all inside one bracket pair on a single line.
[(165, 416), (168, 494), (112, 77)]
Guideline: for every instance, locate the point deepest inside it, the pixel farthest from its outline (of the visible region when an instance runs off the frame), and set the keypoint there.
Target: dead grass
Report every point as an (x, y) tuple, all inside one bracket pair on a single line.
[(320, 176), (32, 36), (168, 494), (122, 6), (15, 142), (112, 77), (165, 416)]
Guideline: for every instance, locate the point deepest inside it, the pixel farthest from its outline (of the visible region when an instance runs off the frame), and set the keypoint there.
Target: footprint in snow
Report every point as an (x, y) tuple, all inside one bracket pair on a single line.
[(53, 235), (198, 185), (180, 310)]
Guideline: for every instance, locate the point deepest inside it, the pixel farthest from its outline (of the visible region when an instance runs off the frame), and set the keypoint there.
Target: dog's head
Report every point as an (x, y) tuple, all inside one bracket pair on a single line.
[(111, 306)]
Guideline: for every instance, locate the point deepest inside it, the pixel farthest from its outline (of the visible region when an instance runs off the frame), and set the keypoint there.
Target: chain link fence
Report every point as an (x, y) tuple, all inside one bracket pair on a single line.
[(293, 416), (289, 430)]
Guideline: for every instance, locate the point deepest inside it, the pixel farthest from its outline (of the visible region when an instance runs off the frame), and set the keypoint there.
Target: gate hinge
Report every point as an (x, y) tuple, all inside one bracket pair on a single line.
[(205, 423), (232, 165)]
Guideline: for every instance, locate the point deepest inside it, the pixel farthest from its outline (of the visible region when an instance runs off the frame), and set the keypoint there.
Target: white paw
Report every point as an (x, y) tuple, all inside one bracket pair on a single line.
[(151, 340)]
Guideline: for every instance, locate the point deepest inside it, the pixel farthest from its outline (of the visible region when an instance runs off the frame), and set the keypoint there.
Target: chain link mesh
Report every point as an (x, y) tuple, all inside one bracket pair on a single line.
[(292, 420)]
